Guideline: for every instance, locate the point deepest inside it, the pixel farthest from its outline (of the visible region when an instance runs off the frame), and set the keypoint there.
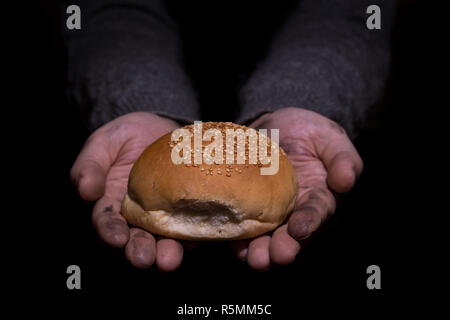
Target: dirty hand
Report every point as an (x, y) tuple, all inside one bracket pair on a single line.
[(100, 174), (324, 160)]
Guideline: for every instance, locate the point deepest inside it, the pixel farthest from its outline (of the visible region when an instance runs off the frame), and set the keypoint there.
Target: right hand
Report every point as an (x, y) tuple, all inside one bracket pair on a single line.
[(100, 174)]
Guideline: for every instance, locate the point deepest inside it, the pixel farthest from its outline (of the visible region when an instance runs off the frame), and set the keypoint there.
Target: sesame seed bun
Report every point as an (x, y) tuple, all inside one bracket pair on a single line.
[(207, 202)]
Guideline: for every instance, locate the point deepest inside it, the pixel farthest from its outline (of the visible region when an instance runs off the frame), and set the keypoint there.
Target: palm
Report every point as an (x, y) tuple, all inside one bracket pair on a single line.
[(117, 177), (299, 139), (310, 170)]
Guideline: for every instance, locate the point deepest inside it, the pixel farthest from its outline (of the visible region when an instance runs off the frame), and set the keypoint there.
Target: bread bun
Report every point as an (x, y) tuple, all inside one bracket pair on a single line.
[(207, 202)]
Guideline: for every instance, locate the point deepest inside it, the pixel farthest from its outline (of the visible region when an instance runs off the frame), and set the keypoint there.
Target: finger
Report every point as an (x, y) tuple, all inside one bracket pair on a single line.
[(169, 254), (312, 208), (90, 168), (343, 170), (240, 248), (141, 249), (109, 223), (342, 161), (283, 248), (91, 181), (258, 257)]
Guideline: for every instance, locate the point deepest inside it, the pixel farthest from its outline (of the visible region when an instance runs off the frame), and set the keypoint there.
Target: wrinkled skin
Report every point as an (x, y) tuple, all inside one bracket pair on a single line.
[(322, 155), (325, 162)]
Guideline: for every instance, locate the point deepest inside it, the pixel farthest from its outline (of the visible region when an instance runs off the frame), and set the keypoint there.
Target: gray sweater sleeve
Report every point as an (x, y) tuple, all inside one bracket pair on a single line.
[(126, 58), (324, 59)]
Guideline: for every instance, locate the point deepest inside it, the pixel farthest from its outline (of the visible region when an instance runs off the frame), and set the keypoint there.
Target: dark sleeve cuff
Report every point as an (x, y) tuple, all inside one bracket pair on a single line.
[(324, 59)]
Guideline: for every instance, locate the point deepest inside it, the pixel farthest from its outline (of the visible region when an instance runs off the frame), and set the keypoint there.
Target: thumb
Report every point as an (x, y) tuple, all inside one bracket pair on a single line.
[(343, 163), (89, 171), (343, 170)]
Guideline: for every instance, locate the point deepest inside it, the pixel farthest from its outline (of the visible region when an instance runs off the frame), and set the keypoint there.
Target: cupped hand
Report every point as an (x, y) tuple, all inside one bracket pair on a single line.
[(325, 161), (100, 174)]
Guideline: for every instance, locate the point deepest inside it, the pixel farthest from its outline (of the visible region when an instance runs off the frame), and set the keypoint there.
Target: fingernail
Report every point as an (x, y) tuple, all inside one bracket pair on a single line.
[(243, 255), (299, 231)]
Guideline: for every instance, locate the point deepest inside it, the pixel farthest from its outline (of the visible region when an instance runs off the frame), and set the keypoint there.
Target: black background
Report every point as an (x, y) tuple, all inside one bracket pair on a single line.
[(368, 227)]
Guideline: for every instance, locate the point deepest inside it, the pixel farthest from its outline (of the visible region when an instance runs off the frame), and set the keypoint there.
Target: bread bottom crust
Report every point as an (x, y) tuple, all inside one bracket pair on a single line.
[(186, 226)]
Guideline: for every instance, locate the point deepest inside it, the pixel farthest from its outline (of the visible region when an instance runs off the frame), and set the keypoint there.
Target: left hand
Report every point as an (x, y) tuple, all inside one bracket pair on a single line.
[(324, 160)]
